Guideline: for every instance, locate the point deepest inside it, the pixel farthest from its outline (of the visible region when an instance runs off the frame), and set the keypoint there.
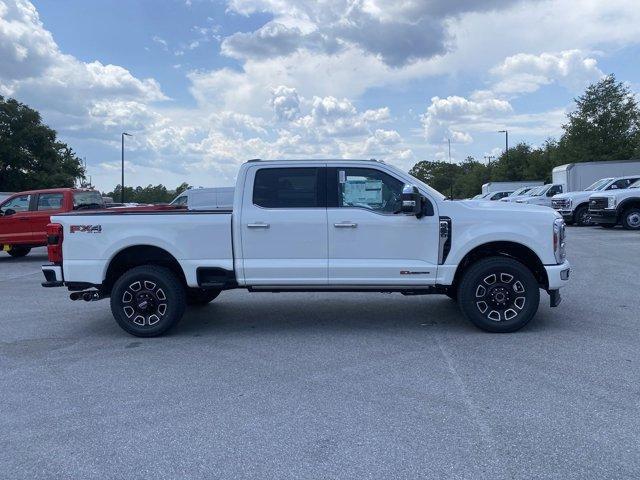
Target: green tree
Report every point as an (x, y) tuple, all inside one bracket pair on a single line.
[(604, 126), (182, 187), (457, 180), (149, 194), (30, 155)]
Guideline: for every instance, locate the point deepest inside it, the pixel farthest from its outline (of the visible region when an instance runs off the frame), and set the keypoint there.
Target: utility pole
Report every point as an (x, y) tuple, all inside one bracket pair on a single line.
[(451, 171), (122, 182), (488, 158)]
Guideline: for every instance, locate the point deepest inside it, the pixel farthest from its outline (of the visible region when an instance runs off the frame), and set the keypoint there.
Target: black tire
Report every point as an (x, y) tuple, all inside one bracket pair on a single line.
[(201, 297), (17, 252), (148, 300), (498, 294), (631, 219), (608, 225), (582, 217)]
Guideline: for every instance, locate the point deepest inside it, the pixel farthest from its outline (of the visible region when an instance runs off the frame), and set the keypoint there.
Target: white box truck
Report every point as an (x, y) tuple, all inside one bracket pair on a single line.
[(509, 186), (578, 176)]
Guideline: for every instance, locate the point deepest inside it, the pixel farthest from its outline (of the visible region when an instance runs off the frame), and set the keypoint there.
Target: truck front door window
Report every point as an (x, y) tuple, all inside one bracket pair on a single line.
[(370, 189), (16, 204)]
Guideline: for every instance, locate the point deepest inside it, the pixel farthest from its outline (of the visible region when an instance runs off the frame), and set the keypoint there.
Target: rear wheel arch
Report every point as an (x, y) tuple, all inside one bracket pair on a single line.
[(139, 255), (508, 249)]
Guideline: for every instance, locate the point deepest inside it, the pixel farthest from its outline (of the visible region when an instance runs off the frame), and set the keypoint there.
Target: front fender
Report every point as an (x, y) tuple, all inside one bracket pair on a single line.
[(536, 238)]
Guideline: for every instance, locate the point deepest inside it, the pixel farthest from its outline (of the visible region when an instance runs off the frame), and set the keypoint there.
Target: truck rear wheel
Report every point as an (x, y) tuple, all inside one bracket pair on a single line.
[(18, 252), (148, 300), (631, 219), (200, 296), (498, 295)]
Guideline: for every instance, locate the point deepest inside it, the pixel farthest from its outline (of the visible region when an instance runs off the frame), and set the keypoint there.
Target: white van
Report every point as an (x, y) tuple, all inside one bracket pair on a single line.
[(220, 198)]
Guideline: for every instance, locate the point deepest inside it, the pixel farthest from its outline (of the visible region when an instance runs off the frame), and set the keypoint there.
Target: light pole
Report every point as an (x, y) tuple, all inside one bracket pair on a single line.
[(506, 143), (451, 170), (122, 182)]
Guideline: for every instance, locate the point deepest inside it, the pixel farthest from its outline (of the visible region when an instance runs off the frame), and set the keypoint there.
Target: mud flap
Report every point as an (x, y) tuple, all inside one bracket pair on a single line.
[(554, 298)]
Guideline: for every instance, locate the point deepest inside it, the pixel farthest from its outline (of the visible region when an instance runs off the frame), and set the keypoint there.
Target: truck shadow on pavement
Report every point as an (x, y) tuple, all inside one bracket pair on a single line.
[(331, 313)]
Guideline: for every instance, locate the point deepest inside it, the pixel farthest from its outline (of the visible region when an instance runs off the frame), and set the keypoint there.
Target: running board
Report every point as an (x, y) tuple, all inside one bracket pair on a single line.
[(405, 290)]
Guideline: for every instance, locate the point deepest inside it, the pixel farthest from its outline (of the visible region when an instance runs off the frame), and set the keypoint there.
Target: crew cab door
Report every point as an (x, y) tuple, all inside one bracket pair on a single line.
[(46, 204), (15, 227), (369, 242), (283, 225)]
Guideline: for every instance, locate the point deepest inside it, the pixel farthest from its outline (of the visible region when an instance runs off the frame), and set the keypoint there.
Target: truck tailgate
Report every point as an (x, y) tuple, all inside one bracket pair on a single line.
[(194, 239)]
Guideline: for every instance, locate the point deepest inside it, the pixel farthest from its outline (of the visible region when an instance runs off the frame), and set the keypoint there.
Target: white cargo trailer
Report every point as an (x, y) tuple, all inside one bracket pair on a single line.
[(509, 186), (578, 176)]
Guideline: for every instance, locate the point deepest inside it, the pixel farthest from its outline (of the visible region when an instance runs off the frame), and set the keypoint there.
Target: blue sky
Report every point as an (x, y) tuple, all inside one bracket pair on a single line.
[(204, 85)]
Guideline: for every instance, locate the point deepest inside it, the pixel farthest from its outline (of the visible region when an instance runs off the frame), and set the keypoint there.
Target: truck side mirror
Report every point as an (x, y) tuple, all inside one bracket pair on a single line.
[(411, 200), (9, 211)]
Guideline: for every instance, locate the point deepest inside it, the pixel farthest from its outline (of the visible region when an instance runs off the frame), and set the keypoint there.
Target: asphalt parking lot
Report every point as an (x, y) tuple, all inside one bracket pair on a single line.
[(327, 385)]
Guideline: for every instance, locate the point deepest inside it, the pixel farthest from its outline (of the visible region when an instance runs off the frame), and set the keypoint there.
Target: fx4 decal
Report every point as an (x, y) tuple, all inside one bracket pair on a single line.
[(85, 229)]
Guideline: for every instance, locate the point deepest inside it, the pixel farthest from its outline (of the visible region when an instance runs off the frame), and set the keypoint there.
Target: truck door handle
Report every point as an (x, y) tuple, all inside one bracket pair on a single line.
[(258, 225), (24, 219), (345, 225)]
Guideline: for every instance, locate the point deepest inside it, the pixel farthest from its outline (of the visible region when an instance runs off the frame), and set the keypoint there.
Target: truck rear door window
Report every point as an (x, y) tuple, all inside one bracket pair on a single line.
[(50, 201), (289, 188)]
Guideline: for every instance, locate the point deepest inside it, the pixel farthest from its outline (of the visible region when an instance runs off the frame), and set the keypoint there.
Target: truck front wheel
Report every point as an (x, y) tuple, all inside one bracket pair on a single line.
[(498, 294), (582, 217), (148, 300), (631, 219)]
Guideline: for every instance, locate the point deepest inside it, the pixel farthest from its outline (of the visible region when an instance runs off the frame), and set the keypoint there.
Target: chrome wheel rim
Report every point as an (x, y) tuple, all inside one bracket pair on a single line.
[(144, 303), (500, 297)]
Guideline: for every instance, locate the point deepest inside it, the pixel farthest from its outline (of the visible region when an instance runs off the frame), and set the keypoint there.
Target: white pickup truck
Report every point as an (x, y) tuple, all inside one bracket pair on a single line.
[(307, 225), (610, 208)]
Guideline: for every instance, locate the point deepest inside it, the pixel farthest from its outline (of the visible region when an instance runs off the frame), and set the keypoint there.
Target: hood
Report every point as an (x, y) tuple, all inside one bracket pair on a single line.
[(506, 208), (573, 195), (513, 199)]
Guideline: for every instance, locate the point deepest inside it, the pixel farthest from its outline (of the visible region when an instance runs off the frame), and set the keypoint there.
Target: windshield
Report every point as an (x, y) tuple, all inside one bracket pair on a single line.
[(88, 199), (181, 200), (520, 191), (599, 185), (534, 192), (635, 184)]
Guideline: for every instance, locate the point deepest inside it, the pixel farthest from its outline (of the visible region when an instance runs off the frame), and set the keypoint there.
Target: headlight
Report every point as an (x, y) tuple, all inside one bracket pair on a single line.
[(612, 202), (559, 242), (569, 203)]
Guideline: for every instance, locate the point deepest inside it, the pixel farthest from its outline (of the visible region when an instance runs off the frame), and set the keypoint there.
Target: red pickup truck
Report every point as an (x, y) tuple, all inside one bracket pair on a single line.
[(24, 216)]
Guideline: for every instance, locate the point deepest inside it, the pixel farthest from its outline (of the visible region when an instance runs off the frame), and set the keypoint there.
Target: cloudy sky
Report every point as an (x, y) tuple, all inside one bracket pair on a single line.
[(204, 85)]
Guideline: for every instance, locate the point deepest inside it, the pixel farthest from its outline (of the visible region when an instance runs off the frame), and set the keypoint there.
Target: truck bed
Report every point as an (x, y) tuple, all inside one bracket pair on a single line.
[(194, 238)]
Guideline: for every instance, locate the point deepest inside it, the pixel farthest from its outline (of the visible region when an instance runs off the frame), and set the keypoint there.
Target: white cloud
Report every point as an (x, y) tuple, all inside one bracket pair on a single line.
[(449, 117), (296, 88), (398, 33), (526, 72), (285, 102), (160, 41)]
